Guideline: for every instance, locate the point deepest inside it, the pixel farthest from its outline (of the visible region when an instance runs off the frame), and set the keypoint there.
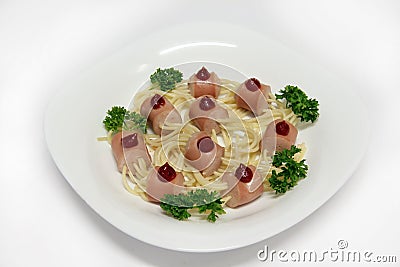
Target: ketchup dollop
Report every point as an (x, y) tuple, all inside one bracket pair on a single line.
[(206, 103), (243, 173), (166, 172), (203, 74), (130, 141), (253, 84), (282, 128), (157, 101), (205, 144)]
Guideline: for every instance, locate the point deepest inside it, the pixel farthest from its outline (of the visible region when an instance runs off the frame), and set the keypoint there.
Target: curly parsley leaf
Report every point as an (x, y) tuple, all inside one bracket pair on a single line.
[(179, 213), (119, 118), (178, 205), (215, 208), (292, 171), (304, 107), (134, 121), (114, 119), (166, 78)]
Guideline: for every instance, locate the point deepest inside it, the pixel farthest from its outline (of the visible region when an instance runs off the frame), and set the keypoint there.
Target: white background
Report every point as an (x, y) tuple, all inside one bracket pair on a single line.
[(43, 222)]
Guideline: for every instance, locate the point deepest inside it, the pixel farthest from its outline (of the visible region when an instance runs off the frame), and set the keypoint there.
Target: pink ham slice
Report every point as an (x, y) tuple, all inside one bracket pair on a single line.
[(272, 141), (157, 187), (206, 119), (206, 162), (242, 193), (211, 86), (130, 155), (158, 116), (254, 101)]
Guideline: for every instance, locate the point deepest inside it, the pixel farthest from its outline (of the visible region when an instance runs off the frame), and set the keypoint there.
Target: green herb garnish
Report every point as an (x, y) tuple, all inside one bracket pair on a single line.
[(119, 118), (166, 78), (304, 107), (114, 119), (292, 171), (178, 205), (134, 121)]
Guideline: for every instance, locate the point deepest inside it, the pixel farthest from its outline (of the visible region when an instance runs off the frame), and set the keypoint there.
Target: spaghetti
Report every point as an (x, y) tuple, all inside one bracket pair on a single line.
[(240, 138)]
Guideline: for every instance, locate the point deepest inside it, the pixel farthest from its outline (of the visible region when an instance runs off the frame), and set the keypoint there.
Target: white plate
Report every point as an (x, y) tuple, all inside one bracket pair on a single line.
[(73, 120)]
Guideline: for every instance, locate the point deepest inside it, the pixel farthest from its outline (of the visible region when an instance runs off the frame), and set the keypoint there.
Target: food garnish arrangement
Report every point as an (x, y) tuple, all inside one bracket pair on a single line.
[(199, 145)]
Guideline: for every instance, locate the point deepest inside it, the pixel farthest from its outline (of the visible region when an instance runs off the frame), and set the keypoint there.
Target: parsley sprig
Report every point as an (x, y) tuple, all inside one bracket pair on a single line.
[(133, 121), (304, 107), (178, 205), (119, 118), (114, 119), (166, 78), (292, 171)]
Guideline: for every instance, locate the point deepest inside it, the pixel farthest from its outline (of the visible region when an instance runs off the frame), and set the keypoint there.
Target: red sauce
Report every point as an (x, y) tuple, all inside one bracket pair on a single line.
[(130, 141), (253, 84), (243, 173), (205, 144), (206, 103), (166, 172), (203, 74), (282, 128), (157, 101)]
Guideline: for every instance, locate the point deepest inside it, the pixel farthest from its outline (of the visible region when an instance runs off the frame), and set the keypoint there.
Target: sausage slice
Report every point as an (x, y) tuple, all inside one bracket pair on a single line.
[(252, 95), (279, 135), (204, 112), (204, 83), (242, 189), (203, 154), (128, 147)]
